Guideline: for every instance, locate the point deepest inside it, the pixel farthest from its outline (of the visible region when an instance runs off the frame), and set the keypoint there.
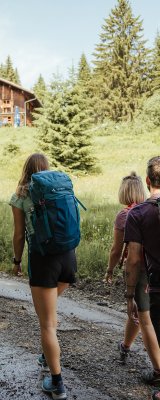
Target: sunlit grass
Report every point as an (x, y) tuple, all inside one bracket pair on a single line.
[(117, 155)]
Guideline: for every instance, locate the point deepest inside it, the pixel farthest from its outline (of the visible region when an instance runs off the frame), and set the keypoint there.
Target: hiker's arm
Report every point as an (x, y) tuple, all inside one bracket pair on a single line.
[(115, 253), (133, 265), (18, 236), (132, 269)]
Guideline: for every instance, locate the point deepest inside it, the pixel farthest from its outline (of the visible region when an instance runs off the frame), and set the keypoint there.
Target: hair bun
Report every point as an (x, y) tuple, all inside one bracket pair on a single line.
[(133, 174)]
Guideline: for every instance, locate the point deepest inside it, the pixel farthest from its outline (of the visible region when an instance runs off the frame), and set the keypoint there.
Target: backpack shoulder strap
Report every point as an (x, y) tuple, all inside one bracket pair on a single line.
[(155, 202)]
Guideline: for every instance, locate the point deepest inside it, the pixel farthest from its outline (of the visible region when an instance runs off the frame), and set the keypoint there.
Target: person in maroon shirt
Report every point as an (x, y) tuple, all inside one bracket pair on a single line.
[(143, 229), (131, 192)]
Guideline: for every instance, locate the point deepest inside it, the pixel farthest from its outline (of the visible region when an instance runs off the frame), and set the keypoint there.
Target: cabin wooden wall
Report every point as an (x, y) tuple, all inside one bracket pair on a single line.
[(11, 97)]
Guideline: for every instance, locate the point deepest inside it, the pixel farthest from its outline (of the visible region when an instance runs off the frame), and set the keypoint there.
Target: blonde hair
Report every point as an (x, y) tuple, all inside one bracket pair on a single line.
[(131, 190), (35, 162)]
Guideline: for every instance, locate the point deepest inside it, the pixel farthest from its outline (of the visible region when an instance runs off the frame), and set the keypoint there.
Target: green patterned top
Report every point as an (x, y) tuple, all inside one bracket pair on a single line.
[(25, 204)]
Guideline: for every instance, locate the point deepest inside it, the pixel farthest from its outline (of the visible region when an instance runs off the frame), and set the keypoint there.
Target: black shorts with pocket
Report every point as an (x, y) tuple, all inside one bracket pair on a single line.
[(141, 292), (48, 270)]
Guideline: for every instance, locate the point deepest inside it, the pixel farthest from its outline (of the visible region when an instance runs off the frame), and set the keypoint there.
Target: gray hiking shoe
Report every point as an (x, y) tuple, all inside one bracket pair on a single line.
[(58, 391), (124, 353), (43, 363), (151, 378)]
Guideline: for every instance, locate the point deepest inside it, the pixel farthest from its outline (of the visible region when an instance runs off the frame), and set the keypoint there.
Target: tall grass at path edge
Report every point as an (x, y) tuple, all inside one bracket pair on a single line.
[(117, 155)]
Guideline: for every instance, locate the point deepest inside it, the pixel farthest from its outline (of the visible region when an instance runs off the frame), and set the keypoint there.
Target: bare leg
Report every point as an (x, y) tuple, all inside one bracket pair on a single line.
[(149, 338), (45, 302), (61, 287), (131, 331)]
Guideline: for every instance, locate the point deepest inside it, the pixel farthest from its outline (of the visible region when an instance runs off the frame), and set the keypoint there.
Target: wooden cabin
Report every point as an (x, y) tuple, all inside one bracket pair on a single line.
[(15, 100)]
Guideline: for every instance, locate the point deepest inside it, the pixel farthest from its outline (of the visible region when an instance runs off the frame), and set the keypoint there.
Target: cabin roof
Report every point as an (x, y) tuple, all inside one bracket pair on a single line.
[(14, 85)]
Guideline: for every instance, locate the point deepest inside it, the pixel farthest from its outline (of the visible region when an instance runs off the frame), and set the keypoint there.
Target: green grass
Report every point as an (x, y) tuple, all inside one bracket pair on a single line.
[(117, 155), (11, 162)]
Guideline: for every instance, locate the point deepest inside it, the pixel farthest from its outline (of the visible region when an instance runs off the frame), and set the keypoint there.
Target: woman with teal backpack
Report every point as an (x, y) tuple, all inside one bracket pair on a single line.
[(49, 274)]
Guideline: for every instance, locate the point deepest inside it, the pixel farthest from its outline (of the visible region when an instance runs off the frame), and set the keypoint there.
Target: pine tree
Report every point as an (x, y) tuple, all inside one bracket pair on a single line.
[(51, 121), (17, 77), (8, 72), (156, 65), (84, 80), (77, 150), (84, 71), (84, 77), (72, 76), (2, 71), (121, 64), (40, 89), (62, 124)]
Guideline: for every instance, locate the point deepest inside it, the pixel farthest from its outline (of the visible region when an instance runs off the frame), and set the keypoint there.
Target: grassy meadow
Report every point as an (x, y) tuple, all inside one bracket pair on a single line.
[(118, 152)]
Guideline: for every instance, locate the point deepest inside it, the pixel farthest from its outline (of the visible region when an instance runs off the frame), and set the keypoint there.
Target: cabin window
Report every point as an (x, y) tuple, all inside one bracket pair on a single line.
[(7, 110)]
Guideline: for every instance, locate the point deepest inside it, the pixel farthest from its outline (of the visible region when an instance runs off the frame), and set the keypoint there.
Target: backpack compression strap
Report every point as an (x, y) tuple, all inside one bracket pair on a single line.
[(81, 204)]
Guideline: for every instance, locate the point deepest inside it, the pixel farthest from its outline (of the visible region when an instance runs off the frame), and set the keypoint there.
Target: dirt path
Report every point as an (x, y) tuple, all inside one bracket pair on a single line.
[(88, 334)]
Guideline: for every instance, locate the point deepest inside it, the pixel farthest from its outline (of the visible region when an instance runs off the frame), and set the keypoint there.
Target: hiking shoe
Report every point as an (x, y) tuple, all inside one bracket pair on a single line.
[(43, 363), (57, 391), (151, 378), (124, 353)]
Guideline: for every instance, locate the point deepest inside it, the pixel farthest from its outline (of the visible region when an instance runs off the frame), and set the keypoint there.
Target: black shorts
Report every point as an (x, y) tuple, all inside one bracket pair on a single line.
[(141, 293), (48, 270), (155, 312)]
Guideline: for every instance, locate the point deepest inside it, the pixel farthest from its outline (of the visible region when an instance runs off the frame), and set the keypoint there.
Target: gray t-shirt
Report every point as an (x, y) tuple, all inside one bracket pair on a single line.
[(25, 204)]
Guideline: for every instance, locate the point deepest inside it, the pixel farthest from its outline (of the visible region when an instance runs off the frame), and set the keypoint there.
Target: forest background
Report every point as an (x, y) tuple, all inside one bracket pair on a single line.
[(98, 124)]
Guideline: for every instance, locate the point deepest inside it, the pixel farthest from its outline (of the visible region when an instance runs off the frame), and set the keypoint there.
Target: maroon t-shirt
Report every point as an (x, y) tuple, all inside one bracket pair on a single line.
[(120, 223), (120, 220), (143, 226), (121, 217)]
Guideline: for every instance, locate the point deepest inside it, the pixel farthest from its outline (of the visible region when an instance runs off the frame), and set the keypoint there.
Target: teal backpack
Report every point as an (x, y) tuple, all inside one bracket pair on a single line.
[(55, 217)]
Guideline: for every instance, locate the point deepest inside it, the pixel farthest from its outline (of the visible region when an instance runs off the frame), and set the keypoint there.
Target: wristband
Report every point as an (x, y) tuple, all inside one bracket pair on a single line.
[(129, 296), (16, 262)]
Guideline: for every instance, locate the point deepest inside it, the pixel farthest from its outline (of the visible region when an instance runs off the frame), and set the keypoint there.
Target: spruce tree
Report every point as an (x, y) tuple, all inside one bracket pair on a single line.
[(2, 71), (156, 65), (17, 77), (8, 72), (121, 64), (72, 76), (63, 127), (84, 80), (77, 146), (40, 89), (84, 71), (51, 121)]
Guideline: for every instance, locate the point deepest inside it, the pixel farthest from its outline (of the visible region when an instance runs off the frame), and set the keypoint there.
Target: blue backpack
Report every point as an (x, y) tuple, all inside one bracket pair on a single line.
[(55, 218)]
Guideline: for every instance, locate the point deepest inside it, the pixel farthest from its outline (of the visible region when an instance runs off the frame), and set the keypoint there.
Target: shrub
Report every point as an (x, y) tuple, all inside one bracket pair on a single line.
[(11, 148), (6, 251), (151, 110), (6, 234)]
